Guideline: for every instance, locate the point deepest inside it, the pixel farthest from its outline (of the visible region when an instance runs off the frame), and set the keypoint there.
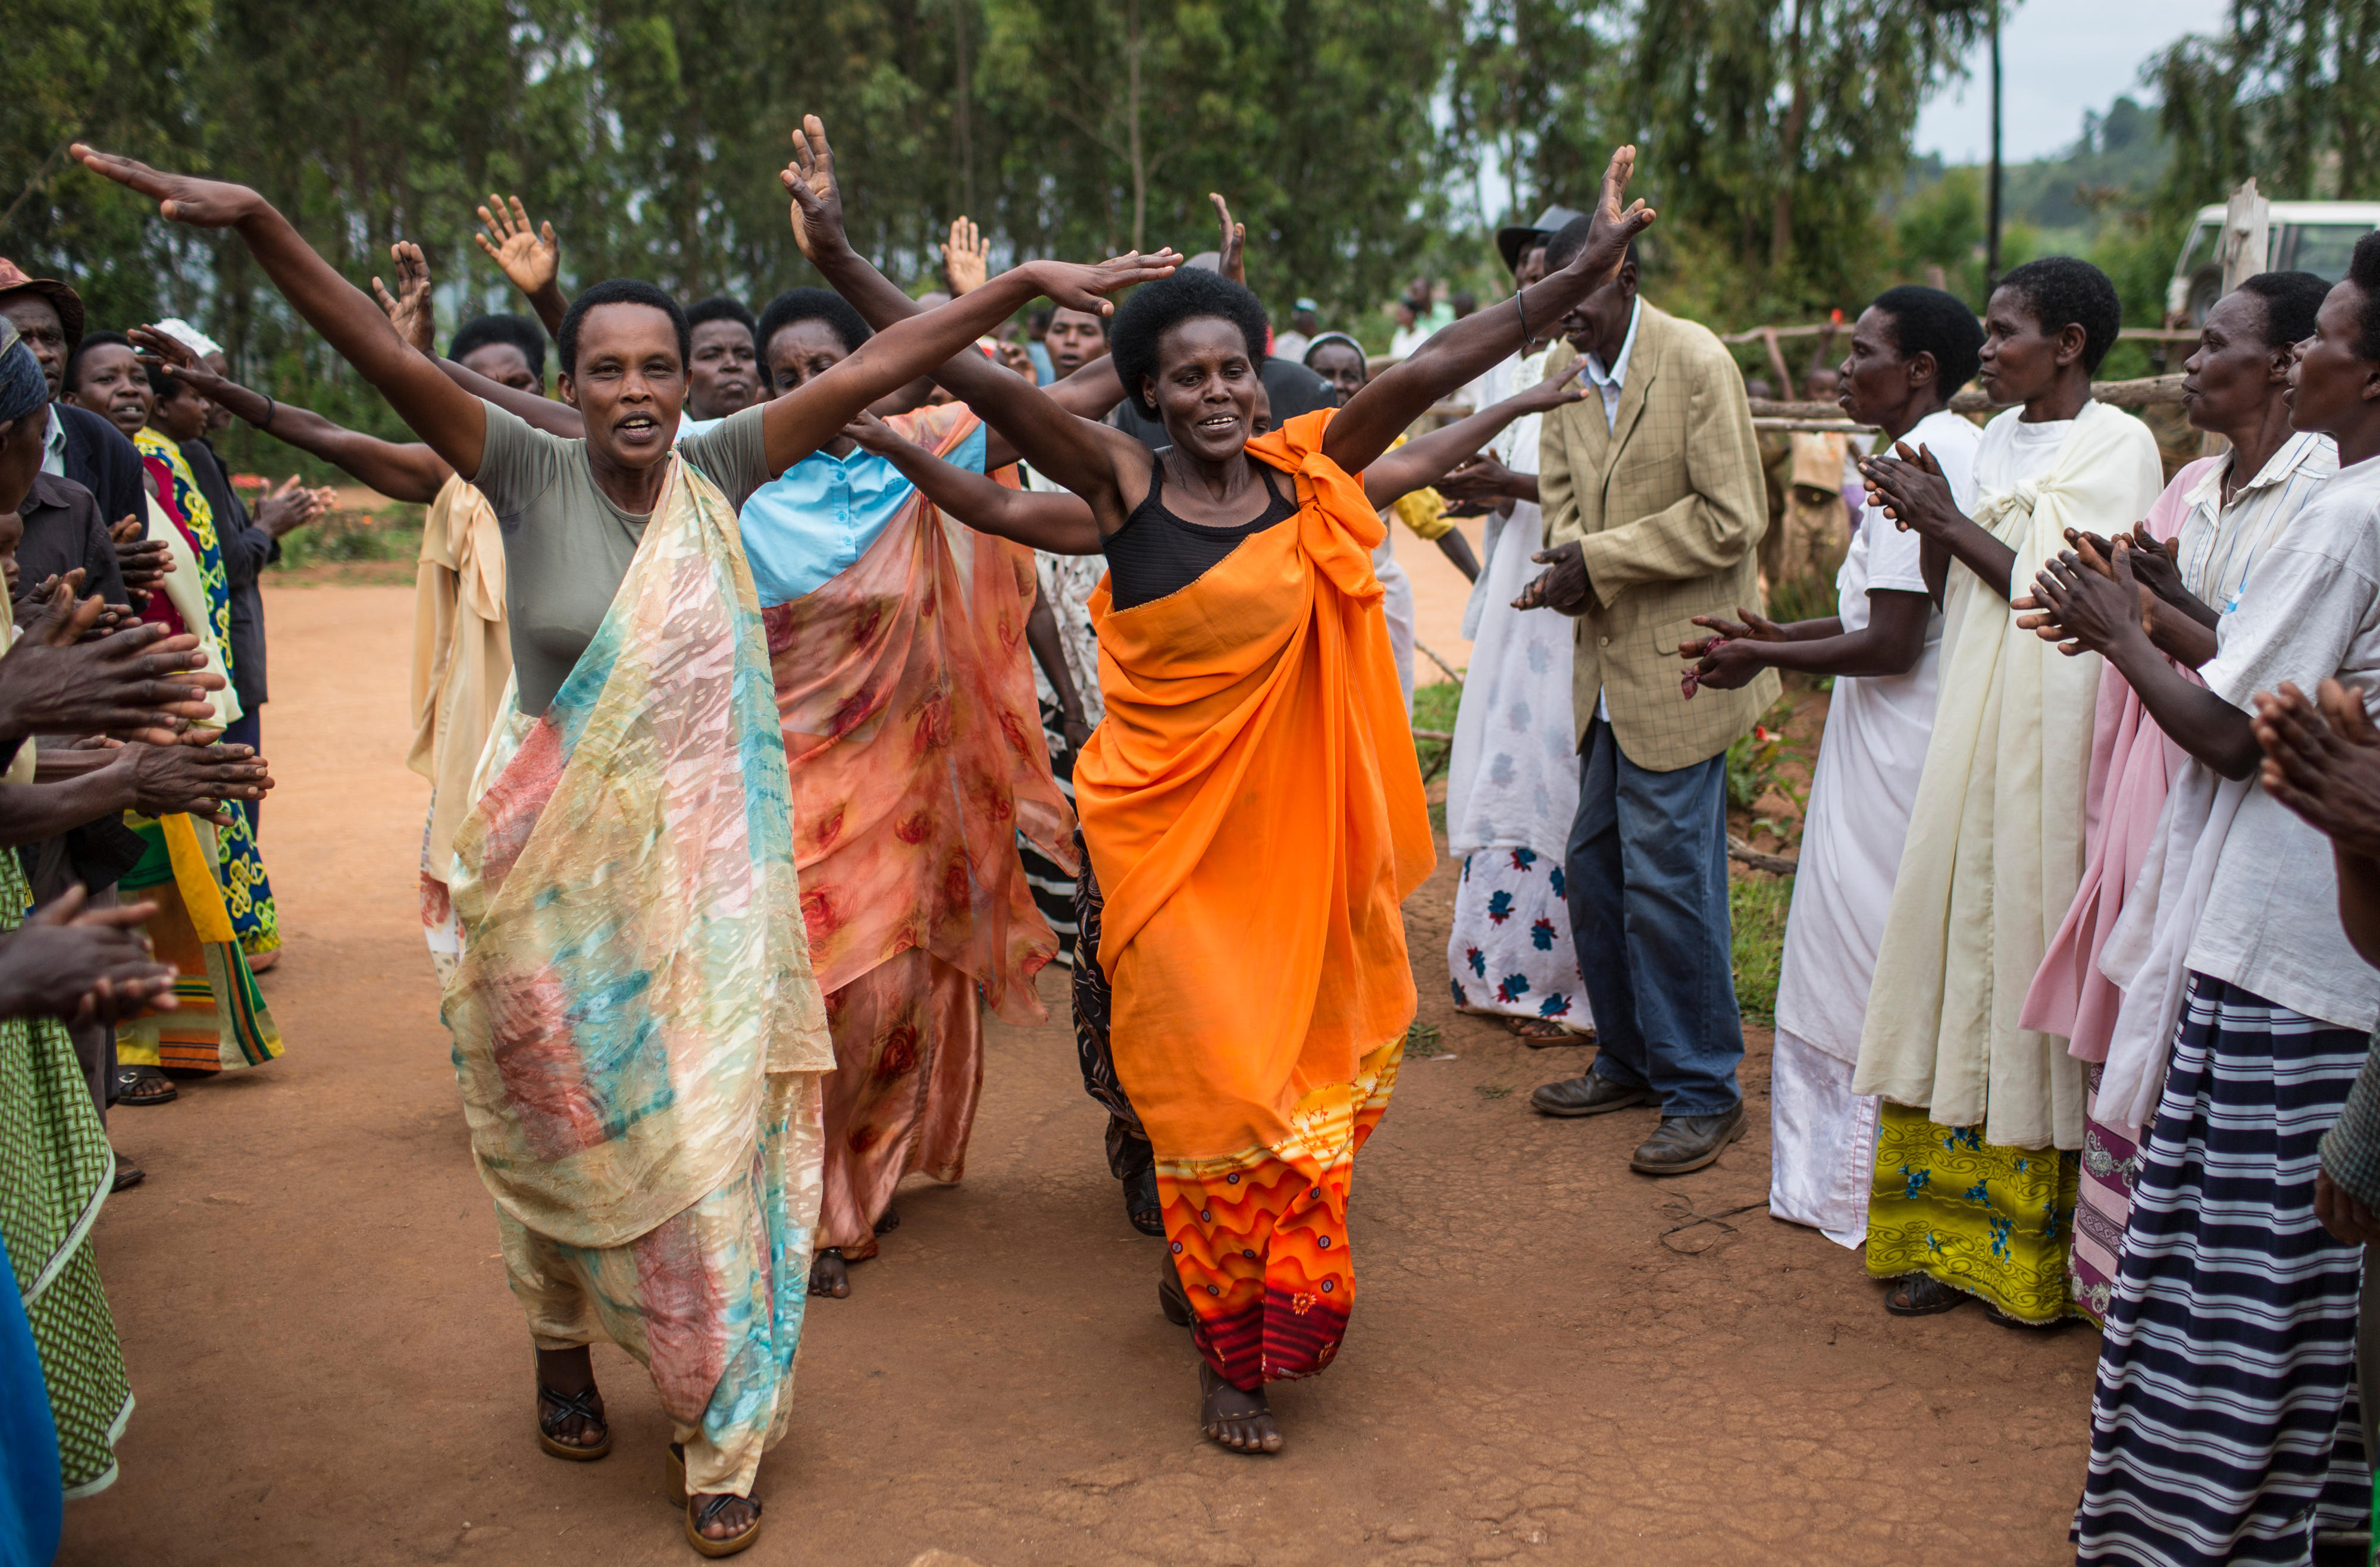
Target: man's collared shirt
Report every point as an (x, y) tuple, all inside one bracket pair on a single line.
[(1610, 381), (53, 445), (813, 522)]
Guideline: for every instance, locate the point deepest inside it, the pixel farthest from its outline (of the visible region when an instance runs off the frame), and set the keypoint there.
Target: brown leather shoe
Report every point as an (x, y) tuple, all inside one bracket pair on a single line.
[(1590, 1095), (1688, 1142)]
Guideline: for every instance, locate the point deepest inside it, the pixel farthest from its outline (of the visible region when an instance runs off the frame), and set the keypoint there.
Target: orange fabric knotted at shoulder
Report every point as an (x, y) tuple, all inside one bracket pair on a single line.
[(1255, 813)]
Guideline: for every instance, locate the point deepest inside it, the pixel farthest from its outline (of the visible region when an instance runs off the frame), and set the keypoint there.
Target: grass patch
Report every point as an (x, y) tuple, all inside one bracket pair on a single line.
[(1756, 907), (1421, 1041)]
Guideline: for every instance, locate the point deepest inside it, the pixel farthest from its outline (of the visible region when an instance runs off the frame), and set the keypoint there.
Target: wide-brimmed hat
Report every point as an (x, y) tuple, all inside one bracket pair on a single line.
[(1511, 242), (13, 280)]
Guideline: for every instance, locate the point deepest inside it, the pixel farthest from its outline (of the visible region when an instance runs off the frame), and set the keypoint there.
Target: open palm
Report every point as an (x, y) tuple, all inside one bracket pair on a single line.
[(180, 197), (530, 256), (817, 212)]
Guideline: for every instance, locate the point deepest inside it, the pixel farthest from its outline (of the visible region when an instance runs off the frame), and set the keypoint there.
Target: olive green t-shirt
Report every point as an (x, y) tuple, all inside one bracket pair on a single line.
[(568, 547)]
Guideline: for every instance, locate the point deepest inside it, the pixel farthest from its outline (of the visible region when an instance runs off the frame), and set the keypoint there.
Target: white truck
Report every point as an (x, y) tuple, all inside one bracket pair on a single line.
[(2314, 237)]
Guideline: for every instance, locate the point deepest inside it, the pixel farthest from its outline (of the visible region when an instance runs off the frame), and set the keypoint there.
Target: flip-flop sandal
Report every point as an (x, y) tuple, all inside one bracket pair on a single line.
[(1920, 1294), (1141, 1203), (696, 1518), (1544, 1033), (580, 1405), (144, 1085), (1172, 1298), (127, 1175)]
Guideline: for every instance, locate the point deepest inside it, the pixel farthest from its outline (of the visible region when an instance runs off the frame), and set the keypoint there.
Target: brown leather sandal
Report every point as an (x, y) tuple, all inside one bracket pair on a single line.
[(697, 1516)]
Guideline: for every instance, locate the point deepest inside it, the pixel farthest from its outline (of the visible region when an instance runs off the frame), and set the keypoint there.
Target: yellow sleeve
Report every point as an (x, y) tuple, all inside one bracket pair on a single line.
[(1424, 511)]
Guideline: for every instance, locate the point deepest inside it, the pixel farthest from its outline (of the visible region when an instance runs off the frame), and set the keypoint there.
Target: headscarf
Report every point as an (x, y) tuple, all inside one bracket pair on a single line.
[(1321, 339), (23, 388)]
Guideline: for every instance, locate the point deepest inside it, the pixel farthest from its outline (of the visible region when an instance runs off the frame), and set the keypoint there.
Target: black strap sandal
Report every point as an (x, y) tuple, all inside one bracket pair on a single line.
[(696, 1518), (1920, 1295), (579, 1405), (144, 1085), (1141, 1203)]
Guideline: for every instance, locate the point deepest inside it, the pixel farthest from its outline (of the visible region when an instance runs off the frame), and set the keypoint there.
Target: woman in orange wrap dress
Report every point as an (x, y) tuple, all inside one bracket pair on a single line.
[(1251, 803)]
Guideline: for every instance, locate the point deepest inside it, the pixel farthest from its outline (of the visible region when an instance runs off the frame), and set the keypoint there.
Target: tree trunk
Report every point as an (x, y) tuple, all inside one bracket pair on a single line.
[(966, 91), (1797, 117), (1132, 108)]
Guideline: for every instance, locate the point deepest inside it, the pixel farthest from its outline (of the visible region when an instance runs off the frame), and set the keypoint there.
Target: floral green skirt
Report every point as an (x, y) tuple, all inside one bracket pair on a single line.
[(1993, 1221)]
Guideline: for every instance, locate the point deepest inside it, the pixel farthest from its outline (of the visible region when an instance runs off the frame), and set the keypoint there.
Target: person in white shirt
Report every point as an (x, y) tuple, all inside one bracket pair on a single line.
[(1909, 352), (2224, 1425)]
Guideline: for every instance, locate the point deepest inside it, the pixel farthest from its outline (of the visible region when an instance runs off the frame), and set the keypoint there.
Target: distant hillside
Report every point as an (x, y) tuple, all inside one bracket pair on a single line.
[(2113, 166)]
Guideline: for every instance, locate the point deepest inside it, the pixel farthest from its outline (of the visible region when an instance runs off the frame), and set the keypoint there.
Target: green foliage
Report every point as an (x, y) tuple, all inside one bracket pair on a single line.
[(2289, 92), (341, 537), (1755, 763), (1756, 907)]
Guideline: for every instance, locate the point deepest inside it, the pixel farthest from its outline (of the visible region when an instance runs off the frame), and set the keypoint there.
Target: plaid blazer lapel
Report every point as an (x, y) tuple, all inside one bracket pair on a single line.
[(1643, 368)]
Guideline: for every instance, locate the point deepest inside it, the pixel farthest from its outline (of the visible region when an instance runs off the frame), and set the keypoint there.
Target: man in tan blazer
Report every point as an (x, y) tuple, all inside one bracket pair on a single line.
[(1654, 513)]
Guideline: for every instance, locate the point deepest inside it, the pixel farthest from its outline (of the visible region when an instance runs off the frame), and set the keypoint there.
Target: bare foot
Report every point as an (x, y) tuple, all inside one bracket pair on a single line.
[(889, 1222), (1241, 1421), (569, 1373), (722, 1517), (829, 1275)]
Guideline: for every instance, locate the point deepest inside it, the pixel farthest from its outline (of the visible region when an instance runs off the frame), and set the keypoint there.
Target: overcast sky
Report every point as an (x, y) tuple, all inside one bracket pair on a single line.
[(2057, 58)]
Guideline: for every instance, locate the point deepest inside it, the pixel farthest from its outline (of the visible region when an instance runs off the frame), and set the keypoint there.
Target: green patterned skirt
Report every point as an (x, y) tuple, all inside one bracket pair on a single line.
[(55, 1169), (1993, 1221)]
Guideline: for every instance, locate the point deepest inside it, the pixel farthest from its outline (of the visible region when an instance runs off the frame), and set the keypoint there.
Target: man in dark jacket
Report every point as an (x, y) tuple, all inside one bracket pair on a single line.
[(80, 446)]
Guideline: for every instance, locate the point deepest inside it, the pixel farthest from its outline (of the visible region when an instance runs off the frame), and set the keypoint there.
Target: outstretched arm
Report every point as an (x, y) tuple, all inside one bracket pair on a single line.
[(1425, 459), (1457, 354), (407, 472), (435, 409), (821, 229), (1059, 523)]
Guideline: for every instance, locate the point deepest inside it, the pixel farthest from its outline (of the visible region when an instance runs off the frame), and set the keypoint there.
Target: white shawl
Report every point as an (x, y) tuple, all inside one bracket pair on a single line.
[(1995, 847)]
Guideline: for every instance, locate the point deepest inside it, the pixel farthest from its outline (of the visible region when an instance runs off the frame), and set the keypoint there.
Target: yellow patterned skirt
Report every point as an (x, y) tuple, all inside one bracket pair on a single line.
[(1993, 1221)]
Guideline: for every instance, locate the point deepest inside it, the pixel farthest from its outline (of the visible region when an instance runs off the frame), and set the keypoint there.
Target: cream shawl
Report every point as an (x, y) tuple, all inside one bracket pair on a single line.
[(1995, 848)]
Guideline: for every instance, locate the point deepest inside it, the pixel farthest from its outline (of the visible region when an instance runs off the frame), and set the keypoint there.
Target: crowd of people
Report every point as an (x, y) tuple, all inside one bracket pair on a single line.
[(794, 686)]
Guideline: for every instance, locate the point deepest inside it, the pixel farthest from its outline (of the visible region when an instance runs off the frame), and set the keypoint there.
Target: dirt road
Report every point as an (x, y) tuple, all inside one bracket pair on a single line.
[(1554, 1360)]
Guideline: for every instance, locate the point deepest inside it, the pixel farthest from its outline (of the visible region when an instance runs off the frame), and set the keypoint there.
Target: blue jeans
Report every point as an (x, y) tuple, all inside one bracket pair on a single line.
[(1647, 892)]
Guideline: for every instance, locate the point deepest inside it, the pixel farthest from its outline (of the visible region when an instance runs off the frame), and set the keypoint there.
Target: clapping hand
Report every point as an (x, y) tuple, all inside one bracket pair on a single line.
[(1910, 487), (83, 964), (1563, 588), (2322, 759), (138, 684), (1729, 661), (142, 561), (1232, 247), (288, 508)]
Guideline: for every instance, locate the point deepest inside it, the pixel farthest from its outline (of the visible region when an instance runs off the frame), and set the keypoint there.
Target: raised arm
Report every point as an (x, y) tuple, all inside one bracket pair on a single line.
[(1425, 459), (1059, 523), (435, 409), (821, 230), (1457, 354), (407, 472)]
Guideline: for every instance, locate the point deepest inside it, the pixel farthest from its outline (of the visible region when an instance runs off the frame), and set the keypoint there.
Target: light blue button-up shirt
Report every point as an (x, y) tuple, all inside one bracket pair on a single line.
[(814, 521)]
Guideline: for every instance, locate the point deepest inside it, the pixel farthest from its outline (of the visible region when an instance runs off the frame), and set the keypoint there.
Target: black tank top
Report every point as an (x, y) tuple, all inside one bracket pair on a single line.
[(1156, 552)]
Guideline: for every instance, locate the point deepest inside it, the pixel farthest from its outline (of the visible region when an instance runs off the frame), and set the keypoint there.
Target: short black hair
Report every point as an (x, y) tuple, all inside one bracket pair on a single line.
[(1157, 307), (2291, 301), (620, 291), (91, 340), (808, 304), (1931, 321), (479, 332), (719, 307), (2063, 291), (2363, 271), (1571, 238)]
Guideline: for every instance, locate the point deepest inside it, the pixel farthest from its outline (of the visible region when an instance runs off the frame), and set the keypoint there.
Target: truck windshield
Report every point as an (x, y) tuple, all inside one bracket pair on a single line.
[(2320, 248)]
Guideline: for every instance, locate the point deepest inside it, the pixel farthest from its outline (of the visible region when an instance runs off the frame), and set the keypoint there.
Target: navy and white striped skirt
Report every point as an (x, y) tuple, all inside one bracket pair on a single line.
[(2224, 1425)]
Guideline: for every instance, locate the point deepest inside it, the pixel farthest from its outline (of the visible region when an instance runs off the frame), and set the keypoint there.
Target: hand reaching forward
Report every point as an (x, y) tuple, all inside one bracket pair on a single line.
[(2324, 761), (180, 197), (1563, 589), (82, 964), (1232, 247), (874, 435), (409, 309), (531, 257), (288, 508), (1478, 478), (156, 351), (139, 684), (966, 257)]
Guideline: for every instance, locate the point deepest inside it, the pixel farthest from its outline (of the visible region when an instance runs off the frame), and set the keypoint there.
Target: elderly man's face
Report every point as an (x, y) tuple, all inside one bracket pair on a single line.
[(37, 322)]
